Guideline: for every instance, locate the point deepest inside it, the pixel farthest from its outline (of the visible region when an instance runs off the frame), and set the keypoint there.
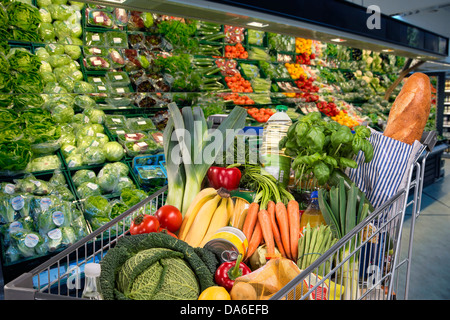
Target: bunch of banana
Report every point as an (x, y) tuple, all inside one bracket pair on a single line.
[(210, 211)]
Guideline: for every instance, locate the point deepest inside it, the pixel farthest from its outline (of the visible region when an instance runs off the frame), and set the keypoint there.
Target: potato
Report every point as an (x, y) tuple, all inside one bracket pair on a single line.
[(242, 291)]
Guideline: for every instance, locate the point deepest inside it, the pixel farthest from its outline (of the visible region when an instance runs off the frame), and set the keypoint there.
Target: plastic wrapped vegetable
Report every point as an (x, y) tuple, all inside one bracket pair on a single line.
[(146, 146), (100, 18), (44, 163), (113, 151), (96, 206), (97, 63), (116, 39), (28, 243), (93, 155), (87, 189), (82, 176), (95, 39)]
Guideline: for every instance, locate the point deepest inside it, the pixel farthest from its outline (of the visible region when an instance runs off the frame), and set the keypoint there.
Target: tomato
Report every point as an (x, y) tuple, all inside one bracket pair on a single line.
[(164, 230), (144, 223), (169, 217)]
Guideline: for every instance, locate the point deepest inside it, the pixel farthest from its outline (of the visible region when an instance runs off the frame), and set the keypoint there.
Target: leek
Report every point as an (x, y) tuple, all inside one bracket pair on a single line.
[(198, 147), (175, 171)]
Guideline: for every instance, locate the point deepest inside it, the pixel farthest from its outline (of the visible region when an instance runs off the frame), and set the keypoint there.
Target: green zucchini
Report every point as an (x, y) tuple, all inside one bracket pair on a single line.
[(342, 204), (334, 181), (328, 216), (350, 216), (334, 200)]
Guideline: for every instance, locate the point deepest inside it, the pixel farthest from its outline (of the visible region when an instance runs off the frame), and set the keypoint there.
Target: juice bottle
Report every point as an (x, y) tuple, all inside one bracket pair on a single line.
[(312, 214), (275, 161)]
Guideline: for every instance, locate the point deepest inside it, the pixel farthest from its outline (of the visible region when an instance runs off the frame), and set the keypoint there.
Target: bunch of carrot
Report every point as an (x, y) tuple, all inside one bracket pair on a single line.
[(272, 221), (238, 84), (277, 225), (236, 51)]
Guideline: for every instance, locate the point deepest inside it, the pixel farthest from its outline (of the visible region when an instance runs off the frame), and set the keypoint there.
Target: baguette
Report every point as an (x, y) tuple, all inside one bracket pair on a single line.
[(410, 110)]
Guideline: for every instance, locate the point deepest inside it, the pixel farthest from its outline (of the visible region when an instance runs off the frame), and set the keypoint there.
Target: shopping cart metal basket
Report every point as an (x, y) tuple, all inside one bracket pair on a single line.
[(372, 246)]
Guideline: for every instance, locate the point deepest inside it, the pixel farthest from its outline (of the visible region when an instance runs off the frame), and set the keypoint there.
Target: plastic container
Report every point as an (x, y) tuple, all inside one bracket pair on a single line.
[(140, 124), (274, 159), (312, 214), (96, 80), (116, 39), (145, 146), (100, 18), (151, 176), (117, 78), (97, 63), (95, 39), (115, 120)]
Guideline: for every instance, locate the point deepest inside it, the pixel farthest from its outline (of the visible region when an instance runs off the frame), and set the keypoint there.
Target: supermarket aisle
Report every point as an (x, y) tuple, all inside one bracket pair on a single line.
[(430, 279)]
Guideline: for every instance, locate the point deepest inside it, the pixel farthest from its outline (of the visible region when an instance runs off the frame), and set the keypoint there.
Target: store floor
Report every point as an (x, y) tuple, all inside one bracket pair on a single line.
[(429, 279)]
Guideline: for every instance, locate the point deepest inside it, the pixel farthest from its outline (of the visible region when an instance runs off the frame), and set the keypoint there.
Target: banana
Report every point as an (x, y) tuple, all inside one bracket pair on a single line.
[(219, 220), (230, 208), (200, 199), (201, 222), (239, 213)]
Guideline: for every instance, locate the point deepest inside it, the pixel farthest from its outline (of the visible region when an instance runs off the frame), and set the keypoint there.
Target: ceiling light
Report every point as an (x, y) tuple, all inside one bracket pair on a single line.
[(257, 24), (338, 40)]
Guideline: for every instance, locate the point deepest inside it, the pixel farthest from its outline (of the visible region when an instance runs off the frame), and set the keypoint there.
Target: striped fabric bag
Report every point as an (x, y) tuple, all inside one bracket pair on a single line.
[(388, 172), (381, 179)]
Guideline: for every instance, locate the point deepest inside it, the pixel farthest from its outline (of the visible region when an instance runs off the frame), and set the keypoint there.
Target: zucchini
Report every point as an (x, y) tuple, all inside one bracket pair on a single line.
[(334, 181), (361, 201), (350, 216), (328, 215), (334, 199), (342, 204)]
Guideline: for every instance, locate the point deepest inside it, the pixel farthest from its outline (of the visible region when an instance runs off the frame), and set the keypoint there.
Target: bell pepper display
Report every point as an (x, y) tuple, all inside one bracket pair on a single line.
[(224, 177), (227, 272)]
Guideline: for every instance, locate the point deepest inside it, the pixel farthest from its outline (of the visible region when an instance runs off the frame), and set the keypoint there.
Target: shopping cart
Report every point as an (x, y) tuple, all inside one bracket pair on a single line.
[(364, 262)]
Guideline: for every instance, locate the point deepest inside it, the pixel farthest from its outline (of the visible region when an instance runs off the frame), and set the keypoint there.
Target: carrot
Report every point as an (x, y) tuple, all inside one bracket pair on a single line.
[(250, 220), (293, 212), (266, 227), (283, 223), (276, 232), (255, 240)]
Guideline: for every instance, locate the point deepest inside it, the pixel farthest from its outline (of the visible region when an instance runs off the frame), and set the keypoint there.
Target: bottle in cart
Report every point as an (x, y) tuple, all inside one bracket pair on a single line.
[(312, 214), (91, 273), (273, 158)]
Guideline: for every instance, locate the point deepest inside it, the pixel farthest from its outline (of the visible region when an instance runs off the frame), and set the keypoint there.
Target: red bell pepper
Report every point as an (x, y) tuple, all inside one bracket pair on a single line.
[(224, 177), (227, 272)]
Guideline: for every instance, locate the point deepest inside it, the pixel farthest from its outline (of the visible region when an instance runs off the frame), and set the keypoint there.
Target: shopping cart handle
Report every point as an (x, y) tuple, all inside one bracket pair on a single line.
[(429, 139)]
